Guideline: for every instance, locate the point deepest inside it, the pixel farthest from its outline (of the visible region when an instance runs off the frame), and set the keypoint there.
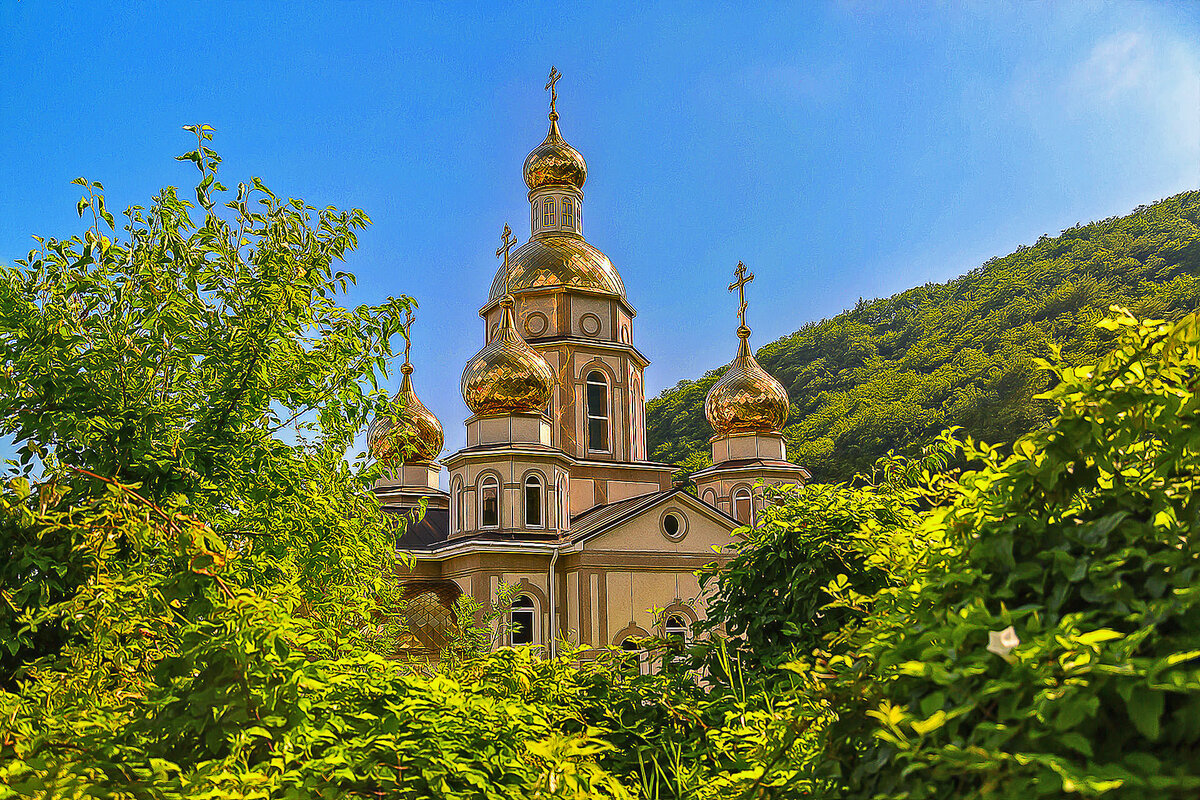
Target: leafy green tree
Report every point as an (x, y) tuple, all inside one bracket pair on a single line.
[(177, 357)]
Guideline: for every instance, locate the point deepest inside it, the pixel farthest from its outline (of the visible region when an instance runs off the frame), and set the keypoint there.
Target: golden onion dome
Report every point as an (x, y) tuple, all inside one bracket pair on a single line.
[(414, 437), (557, 261), (508, 376), (554, 162), (746, 399)]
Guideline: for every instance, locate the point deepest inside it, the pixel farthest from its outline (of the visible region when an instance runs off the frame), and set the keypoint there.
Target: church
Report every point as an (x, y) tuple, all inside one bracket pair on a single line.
[(553, 493)]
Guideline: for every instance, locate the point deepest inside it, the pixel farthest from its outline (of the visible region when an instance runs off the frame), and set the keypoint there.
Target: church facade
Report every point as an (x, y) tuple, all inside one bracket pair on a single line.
[(553, 493)]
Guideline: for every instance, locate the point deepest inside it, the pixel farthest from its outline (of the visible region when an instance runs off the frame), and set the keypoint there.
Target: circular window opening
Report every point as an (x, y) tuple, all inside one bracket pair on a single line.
[(590, 324), (536, 323), (673, 524)]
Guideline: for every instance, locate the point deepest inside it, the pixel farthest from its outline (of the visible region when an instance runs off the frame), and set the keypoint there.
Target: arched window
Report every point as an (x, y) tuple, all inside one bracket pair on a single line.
[(548, 212), (489, 503), (522, 620), (597, 412), (710, 497), (568, 213), (743, 508), (456, 521), (638, 661), (533, 502), (676, 627)]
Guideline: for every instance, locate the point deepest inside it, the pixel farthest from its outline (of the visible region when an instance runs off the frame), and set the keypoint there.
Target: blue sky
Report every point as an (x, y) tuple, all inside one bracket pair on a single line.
[(841, 150)]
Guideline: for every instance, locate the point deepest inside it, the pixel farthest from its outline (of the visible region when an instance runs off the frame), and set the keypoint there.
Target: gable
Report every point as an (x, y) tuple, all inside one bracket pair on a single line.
[(644, 529)]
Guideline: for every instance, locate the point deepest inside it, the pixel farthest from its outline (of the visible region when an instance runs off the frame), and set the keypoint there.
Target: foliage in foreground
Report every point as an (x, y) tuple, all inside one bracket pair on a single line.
[(891, 374), (1039, 633)]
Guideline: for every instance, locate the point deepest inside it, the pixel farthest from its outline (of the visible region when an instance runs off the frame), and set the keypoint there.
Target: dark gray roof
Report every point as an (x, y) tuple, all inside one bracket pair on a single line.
[(427, 532)]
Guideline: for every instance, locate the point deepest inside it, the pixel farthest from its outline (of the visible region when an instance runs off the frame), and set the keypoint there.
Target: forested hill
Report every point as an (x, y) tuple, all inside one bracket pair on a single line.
[(893, 372)]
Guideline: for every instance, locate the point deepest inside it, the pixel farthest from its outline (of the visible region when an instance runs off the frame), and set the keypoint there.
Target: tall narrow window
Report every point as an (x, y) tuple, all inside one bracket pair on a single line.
[(743, 510), (489, 503), (597, 412), (564, 506), (533, 212), (548, 212), (522, 620), (455, 502), (568, 213), (533, 502)]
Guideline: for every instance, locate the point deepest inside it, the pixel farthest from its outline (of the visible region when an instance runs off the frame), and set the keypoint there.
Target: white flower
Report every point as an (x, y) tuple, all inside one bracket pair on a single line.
[(1002, 643)]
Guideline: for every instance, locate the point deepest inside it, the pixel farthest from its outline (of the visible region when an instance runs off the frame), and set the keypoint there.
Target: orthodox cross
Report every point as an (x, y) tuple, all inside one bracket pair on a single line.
[(740, 285), (507, 240), (409, 319), (554, 76)]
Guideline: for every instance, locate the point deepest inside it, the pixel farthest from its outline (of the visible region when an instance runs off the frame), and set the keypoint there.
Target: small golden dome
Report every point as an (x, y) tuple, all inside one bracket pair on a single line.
[(746, 399), (566, 261), (554, 162), (415, 437), (508, 376)]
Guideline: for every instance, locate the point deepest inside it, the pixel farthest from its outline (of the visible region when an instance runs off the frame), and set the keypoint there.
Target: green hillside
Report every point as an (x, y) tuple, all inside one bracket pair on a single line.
[(893, 372)]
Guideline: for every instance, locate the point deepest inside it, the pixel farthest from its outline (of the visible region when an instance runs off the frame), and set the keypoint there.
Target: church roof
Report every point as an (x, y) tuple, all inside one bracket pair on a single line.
[(433, 531), (564, 261)]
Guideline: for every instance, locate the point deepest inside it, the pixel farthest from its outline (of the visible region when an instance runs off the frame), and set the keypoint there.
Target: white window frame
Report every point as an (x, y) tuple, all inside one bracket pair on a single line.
[(739, 492), (534, 479), (529, 607), (587, 411), (484, 482)]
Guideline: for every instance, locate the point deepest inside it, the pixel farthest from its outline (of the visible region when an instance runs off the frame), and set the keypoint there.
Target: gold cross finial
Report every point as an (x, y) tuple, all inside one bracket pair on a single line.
[(554, 76), (740, 285), (409, 319), (507, 240)]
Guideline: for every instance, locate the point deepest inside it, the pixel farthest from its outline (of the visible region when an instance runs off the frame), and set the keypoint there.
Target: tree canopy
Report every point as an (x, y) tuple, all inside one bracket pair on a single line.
[(893, 373)]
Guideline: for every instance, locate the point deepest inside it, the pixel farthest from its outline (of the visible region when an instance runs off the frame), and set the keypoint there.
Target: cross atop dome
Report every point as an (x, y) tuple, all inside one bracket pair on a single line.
[(740, 285), (554, 76)]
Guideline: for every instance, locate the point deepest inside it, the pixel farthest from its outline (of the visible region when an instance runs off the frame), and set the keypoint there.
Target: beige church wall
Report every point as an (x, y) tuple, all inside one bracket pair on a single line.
[(644, 533), (537, 317), (620, 490), (624, 326), (582, 493), (599, 311), (633, 596)]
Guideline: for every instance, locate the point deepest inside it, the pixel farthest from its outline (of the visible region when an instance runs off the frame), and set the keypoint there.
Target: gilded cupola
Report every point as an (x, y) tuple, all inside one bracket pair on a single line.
[(415, 435), (507, 376), (746, 399), (554, 162)]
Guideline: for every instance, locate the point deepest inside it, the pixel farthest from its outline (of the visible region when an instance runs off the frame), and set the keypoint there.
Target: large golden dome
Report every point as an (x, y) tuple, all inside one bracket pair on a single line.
[(414, 437), (566, 261), (554, 162), (746, 399), (508, 376)]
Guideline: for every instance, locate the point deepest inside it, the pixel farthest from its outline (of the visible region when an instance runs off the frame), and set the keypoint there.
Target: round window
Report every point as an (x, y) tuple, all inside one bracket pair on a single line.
[(536, 323), (590, 324), (673, 524)]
